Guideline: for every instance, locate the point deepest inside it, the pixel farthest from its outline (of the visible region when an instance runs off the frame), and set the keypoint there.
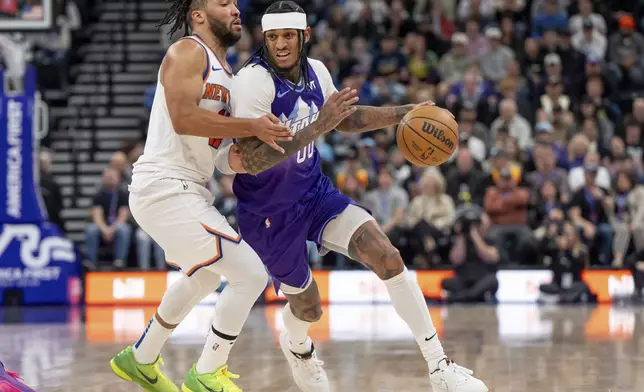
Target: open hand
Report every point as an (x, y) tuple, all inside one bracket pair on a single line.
[(270, 129), (338, 107)]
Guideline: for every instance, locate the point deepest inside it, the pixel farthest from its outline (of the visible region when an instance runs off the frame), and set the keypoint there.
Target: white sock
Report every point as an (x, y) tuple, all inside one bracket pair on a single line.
[(216, 351), (177, 302), (148, 347), (298, 332), (409, 302), (232, 309)]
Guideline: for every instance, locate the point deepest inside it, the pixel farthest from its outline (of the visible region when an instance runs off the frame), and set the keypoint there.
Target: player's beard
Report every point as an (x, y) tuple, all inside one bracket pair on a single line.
[(223, 33)]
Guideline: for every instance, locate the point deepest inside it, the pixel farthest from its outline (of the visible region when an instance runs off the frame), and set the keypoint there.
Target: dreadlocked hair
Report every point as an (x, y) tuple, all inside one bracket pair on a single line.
[(282, 7), (177, 15)]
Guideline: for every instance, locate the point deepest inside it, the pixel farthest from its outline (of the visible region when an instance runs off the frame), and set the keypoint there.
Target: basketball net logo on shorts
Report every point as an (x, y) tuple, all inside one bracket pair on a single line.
[(431, 130)]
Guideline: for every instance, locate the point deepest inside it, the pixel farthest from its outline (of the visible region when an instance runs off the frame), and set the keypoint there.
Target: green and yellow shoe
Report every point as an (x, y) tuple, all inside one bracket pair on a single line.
[(149, 377), (219, 381)]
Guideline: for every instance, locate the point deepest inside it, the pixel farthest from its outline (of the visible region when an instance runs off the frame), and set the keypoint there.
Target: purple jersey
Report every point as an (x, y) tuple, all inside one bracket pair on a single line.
[(282, 186)]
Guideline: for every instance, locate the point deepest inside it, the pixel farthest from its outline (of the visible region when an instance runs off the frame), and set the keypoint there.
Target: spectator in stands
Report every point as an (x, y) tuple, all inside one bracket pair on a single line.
[(121, 164), (554, 96), (572, 60), (586, 13), (626, 37), (499, 160), (465, 182), (430, 215), (477, 43), (551, 18), (545, 162), (577, 150), (387, 203), (589, 129), (567, 257), (454, 64), (589, 41), (475, 258), (545, 133), (633, 140), (511, 38), (625, 210), (50, 190), (548, 203), (481, 10), (495, 63), (507, 206), (588, 110), (109, 217), (473, 143), (518, 126), (589, 215), (626, 73), (577, 175)]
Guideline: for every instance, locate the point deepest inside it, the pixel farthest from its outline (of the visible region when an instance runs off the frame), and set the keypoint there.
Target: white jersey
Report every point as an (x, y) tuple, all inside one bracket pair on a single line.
[(170, 155)]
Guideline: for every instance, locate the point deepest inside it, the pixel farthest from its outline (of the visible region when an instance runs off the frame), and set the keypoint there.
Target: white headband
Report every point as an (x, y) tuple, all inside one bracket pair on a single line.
[(288, 20)]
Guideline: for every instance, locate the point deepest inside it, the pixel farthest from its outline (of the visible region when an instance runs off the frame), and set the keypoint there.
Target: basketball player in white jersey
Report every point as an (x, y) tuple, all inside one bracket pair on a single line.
[(285, 199), (189, 118)]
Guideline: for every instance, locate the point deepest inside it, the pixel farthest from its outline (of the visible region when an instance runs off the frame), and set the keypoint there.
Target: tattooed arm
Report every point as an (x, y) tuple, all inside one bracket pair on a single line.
[(369, 118), (256, 156)]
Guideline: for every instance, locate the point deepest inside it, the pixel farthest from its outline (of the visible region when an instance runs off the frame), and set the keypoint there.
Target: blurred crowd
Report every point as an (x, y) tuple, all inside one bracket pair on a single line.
[(549, 96)]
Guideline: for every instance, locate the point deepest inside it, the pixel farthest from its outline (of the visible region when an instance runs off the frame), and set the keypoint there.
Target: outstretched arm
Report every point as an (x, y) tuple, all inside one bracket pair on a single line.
[(253, 156), (256, 156), (370, 118)]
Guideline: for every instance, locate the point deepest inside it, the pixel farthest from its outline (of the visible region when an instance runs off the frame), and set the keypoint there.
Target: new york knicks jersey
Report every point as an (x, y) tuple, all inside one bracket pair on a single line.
[(170, 155), (256, 92)]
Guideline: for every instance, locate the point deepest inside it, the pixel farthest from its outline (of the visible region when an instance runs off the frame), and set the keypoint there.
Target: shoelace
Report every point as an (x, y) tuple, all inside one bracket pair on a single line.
[(460, 369), (312, 365)]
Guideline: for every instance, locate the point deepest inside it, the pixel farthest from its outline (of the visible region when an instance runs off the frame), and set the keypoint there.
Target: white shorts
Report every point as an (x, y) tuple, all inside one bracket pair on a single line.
[(179, 216)]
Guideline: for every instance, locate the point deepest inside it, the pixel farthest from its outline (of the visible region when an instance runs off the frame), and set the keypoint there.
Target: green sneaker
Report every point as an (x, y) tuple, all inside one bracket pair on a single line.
[(149, 377), (219, 381)]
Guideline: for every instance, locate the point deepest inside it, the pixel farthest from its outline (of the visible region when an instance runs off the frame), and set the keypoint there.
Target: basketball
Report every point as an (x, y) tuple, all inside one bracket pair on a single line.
[(427, 136)]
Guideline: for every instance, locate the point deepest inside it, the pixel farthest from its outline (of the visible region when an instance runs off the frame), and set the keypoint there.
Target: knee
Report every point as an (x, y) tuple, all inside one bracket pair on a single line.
[(309, 310), (387, 262), (124, 229), (92, 230), (142, 237)]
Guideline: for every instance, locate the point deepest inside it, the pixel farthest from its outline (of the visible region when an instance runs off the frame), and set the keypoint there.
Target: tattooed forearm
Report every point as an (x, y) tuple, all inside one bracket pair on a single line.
[(371, 247), (258, 156), (369, 118)]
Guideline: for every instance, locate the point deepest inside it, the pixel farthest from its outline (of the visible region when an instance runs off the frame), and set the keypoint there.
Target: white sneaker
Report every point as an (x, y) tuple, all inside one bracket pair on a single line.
[(307, 369), (449, 377)]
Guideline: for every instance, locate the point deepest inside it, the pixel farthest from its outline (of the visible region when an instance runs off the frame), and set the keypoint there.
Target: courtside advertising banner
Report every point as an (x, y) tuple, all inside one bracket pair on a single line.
[(37, 263), (352, 287)]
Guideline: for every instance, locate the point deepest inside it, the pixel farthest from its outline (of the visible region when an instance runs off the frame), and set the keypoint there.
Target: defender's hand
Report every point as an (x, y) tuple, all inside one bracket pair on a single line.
[(338, 107), (270, 129)]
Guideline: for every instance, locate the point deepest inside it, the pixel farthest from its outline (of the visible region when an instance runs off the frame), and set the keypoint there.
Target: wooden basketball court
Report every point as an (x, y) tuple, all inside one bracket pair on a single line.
[(514, 348)]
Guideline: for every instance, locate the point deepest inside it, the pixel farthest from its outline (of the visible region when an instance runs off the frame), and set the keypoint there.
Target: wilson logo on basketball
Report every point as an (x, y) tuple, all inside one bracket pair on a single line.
[(429, 129)]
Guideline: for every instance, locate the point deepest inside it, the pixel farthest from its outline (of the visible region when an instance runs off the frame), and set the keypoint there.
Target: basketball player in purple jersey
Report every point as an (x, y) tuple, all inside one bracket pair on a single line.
[(285, 200)]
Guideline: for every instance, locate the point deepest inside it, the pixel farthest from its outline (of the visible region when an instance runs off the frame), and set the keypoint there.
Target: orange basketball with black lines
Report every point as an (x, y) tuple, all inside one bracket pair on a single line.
[(427, 136)]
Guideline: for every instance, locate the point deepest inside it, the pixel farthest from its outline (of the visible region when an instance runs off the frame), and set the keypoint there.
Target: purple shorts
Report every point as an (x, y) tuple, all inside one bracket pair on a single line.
[(280, 239)]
